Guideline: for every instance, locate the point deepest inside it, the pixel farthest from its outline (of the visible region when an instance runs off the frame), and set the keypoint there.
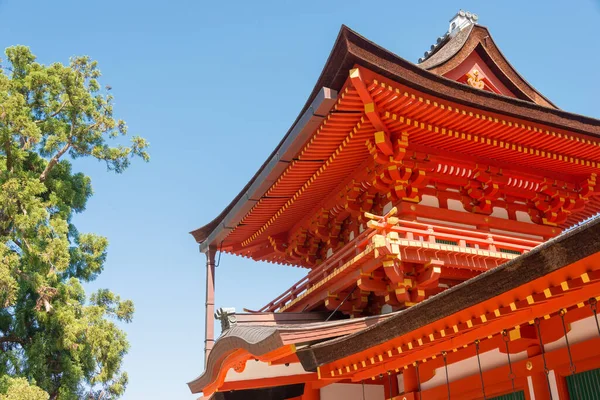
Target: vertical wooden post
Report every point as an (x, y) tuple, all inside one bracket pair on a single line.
[(209, 332), (310, 393), (540, 386), (539, 381), (411, 384), (393, 391)]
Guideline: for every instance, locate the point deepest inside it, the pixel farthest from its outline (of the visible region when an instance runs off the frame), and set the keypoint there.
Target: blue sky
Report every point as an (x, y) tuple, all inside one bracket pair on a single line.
[(214, 86)]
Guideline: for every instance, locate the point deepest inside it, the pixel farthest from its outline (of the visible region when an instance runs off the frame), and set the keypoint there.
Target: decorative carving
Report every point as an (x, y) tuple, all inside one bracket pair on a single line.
[(227, 318), (239, 366), (474, 79)]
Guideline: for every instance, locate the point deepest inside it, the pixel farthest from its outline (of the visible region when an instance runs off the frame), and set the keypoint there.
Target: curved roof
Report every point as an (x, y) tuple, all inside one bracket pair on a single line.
[(352, 50), (476, 38), (259, 340), (447, 49)]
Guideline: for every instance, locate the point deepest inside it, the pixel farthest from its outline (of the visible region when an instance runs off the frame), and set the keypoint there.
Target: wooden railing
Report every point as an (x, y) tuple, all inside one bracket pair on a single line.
[(410, 231)]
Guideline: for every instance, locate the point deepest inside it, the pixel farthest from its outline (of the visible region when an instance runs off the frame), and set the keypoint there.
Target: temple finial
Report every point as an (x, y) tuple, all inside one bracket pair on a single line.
[(461, 20)]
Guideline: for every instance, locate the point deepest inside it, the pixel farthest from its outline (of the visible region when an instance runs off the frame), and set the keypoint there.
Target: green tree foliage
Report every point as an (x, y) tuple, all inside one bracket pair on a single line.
[(53, 338), (20, 389)]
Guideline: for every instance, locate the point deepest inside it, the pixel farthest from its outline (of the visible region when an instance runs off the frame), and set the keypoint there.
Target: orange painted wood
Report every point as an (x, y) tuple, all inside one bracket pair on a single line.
[(523, 313), (268, 382), (521, 153), (310, 393), (497, 380)]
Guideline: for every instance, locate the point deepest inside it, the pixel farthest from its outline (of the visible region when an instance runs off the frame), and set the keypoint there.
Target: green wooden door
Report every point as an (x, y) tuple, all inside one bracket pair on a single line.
[(587, 384), (510, 396)]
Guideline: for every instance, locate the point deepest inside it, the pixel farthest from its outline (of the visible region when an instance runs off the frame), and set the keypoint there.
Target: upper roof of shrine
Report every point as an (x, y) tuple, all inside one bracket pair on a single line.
[(465, 89), (467, 46)]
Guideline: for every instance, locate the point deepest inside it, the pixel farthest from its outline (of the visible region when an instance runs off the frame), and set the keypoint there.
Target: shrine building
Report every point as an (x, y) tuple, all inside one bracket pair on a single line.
[(443, 213)]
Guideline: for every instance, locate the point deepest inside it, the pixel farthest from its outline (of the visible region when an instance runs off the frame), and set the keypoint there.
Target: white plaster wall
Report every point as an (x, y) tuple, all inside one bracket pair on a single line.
[(530, 386), (523, 217), (259, 369), (351, 391), (499, 213), (400, 378), (462, 369), (441, 222), (581, 330), (386, 309), (456, 205), (430, 201), (553, 385), (387, 207), (523, 235)]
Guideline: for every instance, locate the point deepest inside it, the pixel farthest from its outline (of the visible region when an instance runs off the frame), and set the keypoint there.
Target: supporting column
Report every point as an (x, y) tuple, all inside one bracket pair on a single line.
[(209, 324), (539, 381), (310, 393), (390, 392), (411, 384)]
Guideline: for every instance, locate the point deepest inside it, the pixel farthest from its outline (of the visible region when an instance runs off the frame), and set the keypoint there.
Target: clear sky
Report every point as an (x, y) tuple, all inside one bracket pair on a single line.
[(214, 86)]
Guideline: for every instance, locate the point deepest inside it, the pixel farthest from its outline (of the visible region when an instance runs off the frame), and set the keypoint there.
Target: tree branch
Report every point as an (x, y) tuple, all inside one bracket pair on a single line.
[(7, 144), (11, 339), (54, 160), (54, 114)]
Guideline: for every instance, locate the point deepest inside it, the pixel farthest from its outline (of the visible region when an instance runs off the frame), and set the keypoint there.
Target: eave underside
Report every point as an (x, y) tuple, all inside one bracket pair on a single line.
[(336, 156)]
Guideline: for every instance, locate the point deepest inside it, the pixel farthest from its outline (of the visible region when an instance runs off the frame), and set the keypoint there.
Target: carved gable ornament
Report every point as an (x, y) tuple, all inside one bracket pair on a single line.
[(475, 79)]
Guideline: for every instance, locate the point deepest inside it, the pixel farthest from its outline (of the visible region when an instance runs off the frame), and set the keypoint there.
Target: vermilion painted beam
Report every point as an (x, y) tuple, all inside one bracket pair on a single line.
[(268, 382), (585, 354), (441, 214), (510, 317), (382, 138)]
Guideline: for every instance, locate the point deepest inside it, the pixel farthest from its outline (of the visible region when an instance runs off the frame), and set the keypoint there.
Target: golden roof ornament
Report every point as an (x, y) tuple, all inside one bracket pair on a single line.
[(474, 79)]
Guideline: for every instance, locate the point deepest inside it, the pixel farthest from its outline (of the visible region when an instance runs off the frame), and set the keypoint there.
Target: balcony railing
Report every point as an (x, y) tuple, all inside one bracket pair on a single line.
[(411, 231)]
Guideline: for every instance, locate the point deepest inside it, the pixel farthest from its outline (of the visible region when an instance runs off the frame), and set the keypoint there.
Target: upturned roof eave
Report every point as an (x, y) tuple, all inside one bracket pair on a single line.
[(258, 340)]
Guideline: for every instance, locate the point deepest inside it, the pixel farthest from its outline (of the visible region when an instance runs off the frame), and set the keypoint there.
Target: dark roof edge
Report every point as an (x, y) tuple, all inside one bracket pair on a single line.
[(201, 234), (258, 340), (277, 162), (557, 253), (452, 47), (448, 49), (516, 71), (405, 72)]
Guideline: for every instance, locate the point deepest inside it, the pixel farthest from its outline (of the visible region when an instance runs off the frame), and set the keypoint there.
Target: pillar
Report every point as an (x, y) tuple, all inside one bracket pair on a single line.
[(540, 386), (411, 384), (310, 393), (539, 382), (390, 392), (209, 332)]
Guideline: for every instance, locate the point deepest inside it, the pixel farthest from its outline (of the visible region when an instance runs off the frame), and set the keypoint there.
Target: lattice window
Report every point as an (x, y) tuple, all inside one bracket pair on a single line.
[(510, 396), (587, 384), (443, 241), (508, 251)]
